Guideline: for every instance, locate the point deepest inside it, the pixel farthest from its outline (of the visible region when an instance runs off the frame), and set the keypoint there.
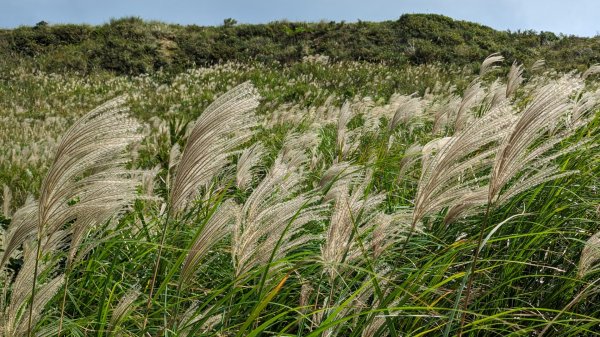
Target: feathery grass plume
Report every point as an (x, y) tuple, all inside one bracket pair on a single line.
[(222, 127), (489, 63), (471, 97), (411, 156), (98, 208), (15, 321), (174, 157), (358, 302), (248, 160), (592, 70), (493, 96), (387, 229), (474, 93), (213, 231), (149, 181), (467, 204), (537, 65), (351, 209), (44, 295), (123, 308), (517, 157), (336, 177), (6, 201), (88, 167), (88, 181), (445, 178), (589, 255), (191, 317), (273, 216), (22, 228), (585, 103), (410, 107), (431, 148), (514, 80), (344, 136), (443, 113)]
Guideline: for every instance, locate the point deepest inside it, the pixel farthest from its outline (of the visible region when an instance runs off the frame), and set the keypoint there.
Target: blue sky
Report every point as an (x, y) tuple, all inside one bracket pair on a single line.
[(579, 17)]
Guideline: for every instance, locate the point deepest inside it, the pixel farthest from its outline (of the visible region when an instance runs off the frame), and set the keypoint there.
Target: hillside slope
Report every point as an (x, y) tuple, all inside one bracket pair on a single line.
[(134, 46)]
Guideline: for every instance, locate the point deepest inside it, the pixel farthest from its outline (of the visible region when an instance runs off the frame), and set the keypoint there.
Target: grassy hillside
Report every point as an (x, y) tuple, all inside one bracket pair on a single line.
[(350, 180), (132, 46)]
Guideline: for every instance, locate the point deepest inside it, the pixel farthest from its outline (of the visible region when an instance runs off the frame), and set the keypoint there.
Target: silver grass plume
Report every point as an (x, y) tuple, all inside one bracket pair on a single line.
[(337, 177), (589, 255), (489, 63), (191, 317), (519, 165), (410, 107), (471, 97), (174, 159), (474, 92), (88, 183), (593, 70), (454, 170), (248, 160), (274, 213), (584, 104), (6, 201), (14, 320), (344, 136), (215, 229), (518, 157), (123, 308), (515, 78), (89, 167), (23, 227), (411, 156), (537, 65), (351, 209), (222, 127)]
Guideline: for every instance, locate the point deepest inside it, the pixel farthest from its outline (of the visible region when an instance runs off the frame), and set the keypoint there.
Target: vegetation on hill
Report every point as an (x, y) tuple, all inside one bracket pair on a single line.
[(133, 46), (327, 179)]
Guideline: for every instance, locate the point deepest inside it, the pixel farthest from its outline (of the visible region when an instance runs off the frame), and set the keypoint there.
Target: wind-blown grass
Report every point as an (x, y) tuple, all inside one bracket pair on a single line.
[(445, 207)]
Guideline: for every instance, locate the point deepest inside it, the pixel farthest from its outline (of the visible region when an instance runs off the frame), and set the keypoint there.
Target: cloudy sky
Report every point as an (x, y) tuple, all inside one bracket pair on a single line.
[(579, 17)]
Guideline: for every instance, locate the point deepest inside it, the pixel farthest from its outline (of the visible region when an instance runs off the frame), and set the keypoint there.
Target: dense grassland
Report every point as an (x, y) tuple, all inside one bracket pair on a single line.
[(317, 198)]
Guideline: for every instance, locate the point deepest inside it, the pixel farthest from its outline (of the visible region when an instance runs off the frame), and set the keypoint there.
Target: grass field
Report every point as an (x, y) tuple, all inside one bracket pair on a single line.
[(318, 198)]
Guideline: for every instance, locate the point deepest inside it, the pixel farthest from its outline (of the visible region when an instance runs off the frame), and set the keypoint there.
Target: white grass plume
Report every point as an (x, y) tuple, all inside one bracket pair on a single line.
[(15, 313), (455, 170), (215, 229), (272, 217), (22, 228), (351, 210), (248, 160), (518, 157), (88, 168), (514, 80), (221, 128), (123, 308), (6, 201), (590, 255), (489, 63)]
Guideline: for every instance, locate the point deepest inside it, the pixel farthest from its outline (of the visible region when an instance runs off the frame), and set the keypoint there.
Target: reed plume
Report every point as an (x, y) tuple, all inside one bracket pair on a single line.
[(222, 127), (352, 209), (214, 230), (248, 160), (272, 217)]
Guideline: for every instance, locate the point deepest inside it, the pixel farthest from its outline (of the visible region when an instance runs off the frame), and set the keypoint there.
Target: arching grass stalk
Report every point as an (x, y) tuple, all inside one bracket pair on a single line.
[(472, 269), (156, 265), (35, 276)]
